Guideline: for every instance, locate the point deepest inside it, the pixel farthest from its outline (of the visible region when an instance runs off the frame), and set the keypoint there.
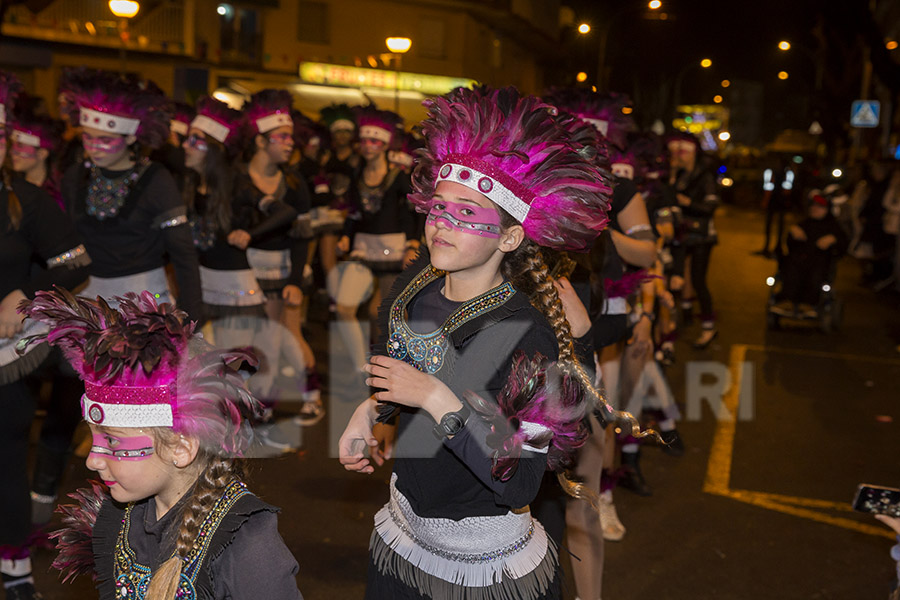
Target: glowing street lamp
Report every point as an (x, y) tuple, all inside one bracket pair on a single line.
[(891, 45), (654, 4), (782, 75), (398, 47), (124, 9), (584, 28), (581, 77), (717, 99), (725, 83), (706, 63), (784, 45), (724, 136)]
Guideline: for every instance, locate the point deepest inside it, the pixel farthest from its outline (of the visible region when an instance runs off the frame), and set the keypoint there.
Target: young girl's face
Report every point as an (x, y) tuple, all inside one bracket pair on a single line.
[(105, 149), (279, 144), (24, 156), (127, 461), (462, 229), (195, 149)]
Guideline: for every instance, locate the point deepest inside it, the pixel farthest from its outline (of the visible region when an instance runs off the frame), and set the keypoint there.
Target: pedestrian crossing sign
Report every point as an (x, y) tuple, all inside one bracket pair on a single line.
[(864, 113)]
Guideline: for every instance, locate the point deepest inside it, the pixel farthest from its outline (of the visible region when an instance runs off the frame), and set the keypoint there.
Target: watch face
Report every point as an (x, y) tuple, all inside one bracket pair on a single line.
[(452, 423)]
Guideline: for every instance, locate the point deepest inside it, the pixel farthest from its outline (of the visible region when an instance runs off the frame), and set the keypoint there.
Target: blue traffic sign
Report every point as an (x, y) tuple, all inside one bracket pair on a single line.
[(864, 113)]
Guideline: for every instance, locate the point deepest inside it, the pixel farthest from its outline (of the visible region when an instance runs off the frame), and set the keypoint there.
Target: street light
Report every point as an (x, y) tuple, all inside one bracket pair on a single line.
[(706, 63), (584, 28), (398, 47), (784, 45), (891, 45), (124, 9), (717, 99), (581, 77), (724, 136), (725, 83), (782, 75), (654, 4)]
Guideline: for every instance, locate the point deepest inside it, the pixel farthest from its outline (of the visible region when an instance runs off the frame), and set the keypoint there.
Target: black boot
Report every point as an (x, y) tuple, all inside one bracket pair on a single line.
[(673, 444), (22, 591), (632, 478)]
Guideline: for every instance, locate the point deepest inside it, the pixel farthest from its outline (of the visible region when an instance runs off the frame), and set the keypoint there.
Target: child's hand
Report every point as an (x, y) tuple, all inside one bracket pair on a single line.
[(892, 522), (404, 384), (797, 233), (825, 242), (667, 299), (239, 239), (357, 437)]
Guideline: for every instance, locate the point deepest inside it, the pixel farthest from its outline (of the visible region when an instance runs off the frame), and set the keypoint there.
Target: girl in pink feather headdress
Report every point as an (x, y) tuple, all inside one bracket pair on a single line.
[(170, 419), (477, 361)]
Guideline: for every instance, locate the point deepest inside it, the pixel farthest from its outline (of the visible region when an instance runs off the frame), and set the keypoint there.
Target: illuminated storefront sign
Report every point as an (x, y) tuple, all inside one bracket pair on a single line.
[(343, 76)]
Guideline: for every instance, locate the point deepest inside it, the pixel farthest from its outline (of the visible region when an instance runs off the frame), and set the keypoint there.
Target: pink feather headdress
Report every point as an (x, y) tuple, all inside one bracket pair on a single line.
[(142, 366), (377, 124), (124, 106), (514, 150), (217, 120), (38, 130), (10, 87), (182, 115), (267, 110), (603, 111)]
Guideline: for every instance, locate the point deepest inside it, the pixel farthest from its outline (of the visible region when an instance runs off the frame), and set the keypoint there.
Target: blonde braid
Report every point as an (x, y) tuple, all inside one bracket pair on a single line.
[(213, 479)]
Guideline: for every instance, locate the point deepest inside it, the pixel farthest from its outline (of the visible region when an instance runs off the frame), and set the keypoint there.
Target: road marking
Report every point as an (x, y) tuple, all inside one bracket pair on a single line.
[(718, 470)]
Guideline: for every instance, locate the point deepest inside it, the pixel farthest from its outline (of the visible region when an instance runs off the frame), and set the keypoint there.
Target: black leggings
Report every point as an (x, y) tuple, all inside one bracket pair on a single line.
[(699, 255), (15, 502)]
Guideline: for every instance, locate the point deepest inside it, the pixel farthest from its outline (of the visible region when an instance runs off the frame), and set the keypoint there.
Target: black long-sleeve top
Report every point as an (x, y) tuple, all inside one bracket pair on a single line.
[(286, 237), (453, 479), (391, 213), (212, 243), (700, 186), (247, 557), (45, 231), (142, 235)]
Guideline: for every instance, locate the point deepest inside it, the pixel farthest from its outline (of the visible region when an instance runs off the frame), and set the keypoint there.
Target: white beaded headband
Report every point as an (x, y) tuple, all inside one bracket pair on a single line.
[(373, 132), (127, 406), (211, 127), (107, 122), (273, 121)]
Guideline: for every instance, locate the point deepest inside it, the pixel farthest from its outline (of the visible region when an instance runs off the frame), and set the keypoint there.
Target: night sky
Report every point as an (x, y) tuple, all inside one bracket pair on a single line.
[(739, 37)]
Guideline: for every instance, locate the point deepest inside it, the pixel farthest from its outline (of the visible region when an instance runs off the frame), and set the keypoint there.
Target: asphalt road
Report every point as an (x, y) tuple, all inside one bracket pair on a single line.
[(758, 507)]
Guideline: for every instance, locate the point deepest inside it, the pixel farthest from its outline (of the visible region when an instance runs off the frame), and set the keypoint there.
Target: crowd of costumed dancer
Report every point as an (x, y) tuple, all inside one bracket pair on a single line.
[(525, 264)]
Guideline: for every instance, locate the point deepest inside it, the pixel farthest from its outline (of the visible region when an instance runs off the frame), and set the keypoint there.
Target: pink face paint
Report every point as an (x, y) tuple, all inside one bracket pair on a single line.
[(281, 138), (23, 150), (464, 217), (122, 448), (107, 145), (197, 142)]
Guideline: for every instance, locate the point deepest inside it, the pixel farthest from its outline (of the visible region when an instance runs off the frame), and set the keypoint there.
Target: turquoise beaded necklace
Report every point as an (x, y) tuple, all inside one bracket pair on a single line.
[(426, 351)]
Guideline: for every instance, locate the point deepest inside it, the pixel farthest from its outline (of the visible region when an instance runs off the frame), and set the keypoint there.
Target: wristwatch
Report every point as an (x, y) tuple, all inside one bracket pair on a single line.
[(452, 423)]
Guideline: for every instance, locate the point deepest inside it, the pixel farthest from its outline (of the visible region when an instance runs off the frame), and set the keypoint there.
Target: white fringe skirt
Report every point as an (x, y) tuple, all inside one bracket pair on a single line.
[(506, 557)]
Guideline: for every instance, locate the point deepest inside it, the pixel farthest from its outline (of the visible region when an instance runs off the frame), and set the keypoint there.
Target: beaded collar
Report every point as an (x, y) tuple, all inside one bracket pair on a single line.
[(133, 578), (426, 351), (105, 196)]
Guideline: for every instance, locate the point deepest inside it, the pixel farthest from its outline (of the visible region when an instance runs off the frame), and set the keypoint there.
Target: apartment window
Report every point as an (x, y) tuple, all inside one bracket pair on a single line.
[(430, 43), (313, 22), (239, 33)]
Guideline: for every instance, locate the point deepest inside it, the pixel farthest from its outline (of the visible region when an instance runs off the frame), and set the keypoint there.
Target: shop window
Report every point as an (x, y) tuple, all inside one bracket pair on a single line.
[(313, 22)]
